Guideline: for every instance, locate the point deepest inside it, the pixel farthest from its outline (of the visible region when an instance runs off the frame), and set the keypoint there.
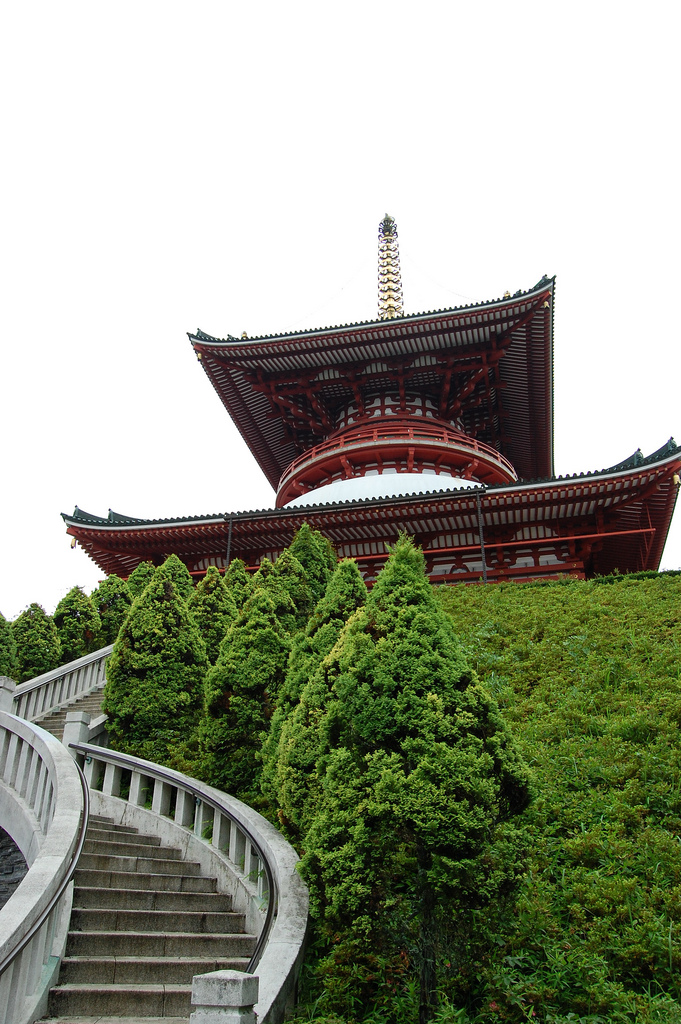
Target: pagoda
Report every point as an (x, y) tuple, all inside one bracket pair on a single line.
[(437, 424)]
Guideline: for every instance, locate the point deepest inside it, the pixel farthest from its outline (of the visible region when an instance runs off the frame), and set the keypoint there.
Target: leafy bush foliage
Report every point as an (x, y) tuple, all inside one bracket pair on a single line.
[(153, 695), (8, 650), (139, 578), (419, 783), (38, 647), (78, 625), (289, 578), (239, 582), (317, 556), (214, 610), (174, 569), (288, 761), (112, 599), (240, 695)]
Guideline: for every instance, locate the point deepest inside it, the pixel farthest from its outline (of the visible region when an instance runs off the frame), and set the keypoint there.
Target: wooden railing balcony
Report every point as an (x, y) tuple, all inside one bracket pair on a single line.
[(405, 447)]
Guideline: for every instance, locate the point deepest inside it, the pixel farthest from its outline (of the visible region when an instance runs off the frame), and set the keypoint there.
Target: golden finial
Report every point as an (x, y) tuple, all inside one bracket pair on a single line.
[(389, 278)]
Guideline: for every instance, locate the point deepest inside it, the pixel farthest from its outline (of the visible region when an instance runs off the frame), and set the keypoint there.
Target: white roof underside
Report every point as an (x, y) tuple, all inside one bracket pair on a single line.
[(386, 485)]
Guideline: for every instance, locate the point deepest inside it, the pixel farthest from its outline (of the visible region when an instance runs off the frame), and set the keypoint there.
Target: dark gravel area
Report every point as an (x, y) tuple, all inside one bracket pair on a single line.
[(13, 867)]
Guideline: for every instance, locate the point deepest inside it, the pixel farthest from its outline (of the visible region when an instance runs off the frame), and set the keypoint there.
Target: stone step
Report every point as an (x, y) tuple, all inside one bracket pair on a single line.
[(121, 834), (143, 923), (99, 878), (121, 1000), (169, 944), (147, 865), (129, 849), (134, 970), (99, 1019), (96, 919), (55, 721), (85, 897)]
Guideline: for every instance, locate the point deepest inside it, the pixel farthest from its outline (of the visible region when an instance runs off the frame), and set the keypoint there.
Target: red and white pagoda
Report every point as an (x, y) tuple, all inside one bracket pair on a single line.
[(438, 424)]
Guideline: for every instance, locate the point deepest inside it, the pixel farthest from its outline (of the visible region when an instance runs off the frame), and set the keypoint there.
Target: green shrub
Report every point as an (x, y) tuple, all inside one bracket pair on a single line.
[(239, 582), (419, 784), (289, 576), (153, 695), (288, 765), (214, 611), (78, 625), (8, 650), (240, 695), (317, 557), (139, 578), (112, 599), (174, 569), (38, 647)]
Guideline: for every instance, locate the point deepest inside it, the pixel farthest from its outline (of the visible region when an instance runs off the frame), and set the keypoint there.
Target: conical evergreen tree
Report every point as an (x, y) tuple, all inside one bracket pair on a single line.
[(420, 780), (8, 650), (112, 599), (239, 582), (139, 578), (154, 689), (259, 578), (174, 569), (267, 581), (288, 777), (345, 593), (317, 557), (289, 576), (38, 647), (78, 625), (214, 610), (240, 695)]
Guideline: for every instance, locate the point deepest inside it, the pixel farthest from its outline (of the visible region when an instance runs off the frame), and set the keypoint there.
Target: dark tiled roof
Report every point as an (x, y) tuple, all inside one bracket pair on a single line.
[(542, 283), (511, 407)]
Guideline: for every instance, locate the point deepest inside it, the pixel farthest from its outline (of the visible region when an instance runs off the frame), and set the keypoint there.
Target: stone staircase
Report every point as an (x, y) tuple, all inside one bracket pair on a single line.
[(143, 923), (54, 723)]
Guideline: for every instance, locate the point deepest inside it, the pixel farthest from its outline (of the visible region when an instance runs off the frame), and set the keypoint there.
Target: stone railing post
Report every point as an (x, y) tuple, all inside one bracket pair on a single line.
[(76, 728), (224, 997), (7, 688)]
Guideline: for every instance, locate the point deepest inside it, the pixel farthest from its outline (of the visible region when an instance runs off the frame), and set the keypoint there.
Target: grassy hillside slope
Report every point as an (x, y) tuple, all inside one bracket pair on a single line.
[(589, 678)]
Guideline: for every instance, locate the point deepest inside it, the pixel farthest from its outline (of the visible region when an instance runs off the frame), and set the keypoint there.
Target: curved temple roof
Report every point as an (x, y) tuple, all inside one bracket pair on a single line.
[(634, 502), (491, 364)]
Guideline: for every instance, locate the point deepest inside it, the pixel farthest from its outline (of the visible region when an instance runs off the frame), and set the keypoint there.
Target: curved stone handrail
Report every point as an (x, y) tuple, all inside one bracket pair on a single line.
[(252, 851), (52, 690), (43, 805)]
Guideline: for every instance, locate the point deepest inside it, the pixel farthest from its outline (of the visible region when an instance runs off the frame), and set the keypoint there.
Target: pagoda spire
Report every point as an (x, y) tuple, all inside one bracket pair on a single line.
[(389, 277)]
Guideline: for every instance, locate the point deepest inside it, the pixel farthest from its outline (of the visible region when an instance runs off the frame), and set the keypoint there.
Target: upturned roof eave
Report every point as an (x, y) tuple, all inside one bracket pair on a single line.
[(231, 363), (522, 486), (202, 338)]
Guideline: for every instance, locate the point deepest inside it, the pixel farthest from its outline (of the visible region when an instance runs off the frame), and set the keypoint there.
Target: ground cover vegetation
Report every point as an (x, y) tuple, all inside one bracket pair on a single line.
[(589, 678)]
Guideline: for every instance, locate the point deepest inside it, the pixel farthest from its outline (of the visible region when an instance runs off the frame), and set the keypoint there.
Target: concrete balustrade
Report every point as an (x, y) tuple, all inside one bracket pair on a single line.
[(52, 690), (43, 806), (230, 840)]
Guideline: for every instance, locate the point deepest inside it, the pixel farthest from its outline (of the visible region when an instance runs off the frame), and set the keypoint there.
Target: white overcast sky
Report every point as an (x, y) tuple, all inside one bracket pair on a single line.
[(225, 165)]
